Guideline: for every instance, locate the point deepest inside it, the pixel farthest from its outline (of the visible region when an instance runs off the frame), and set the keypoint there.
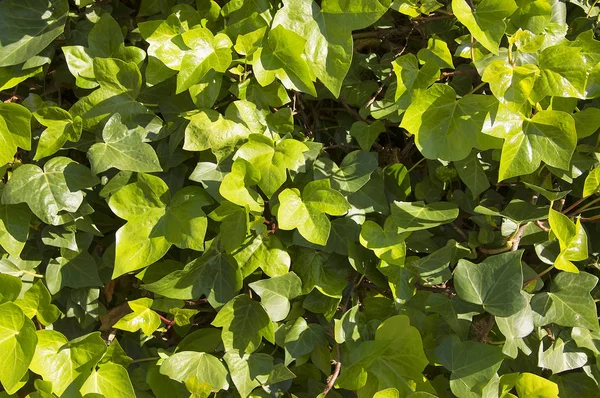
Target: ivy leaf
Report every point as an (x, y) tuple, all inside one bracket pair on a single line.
[(276, 293), (366, 134), (210, 130), (301, 338), (563, 72), (34, 25), (328, 33), (568, 302), (205, 52), (515, 328), (572, 239), (272, 159), (325, 271), (472, 364), (61, 127), (11, 285), (561, 356), (486, 23), (105, 40), (512, 85), (352, 174), (281, 58), (110, 380), (385, 359), (61, 361), (15, 129), (386, 242), (415, 216), (14, 227), (308, 212), (17, 342), (245, 322), (120, 84), (214, 275), (122, 149), (198, 367), (494, 283), (37, 302), (235, 186), (50, 191), (249, 371), (142, 317), (156, 221), (549, 136), (74, 269), (437, 52), (412, 81), (444, 127), (592, 182), (472, 174), (268, 253)]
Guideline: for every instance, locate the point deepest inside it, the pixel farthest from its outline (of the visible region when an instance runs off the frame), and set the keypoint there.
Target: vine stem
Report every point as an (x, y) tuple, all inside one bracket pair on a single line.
[(574, 205), (145, 360), (415, 165), (336, 371), (33, 274), (544, 272), (480, 85), (585, 207), (587, 15)]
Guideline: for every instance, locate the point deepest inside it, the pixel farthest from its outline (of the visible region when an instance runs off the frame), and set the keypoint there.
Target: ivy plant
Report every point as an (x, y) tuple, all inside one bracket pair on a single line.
[(299, 198)]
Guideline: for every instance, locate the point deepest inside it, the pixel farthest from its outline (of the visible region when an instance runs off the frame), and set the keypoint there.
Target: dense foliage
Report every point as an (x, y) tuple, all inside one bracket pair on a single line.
[(299, 198)]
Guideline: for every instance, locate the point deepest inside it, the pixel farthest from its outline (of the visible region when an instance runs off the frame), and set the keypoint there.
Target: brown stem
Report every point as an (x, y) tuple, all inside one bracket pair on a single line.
[(483, 335), (574, 205), (352, 111), (433, 17), (448, 291), (457, 72), (594, 218), (336, 372), (517, 238), (378, 33), (593, 202), (541, 225)]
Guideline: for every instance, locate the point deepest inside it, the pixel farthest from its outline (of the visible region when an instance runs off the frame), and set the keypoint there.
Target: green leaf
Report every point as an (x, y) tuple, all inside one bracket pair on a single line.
[(351, 175), (301, 338), (328, 33), (120, 84), (529, 385), (61, 127), (50, 191), (111, 380), (366, 134), (325, 271), (572, 239), (276, 293), (250, 371), (568, 302), (105, 40), (11, 286), (563, 72), (210, 130), (472, 364), (266, 252), (515, 328), (37, 302), (142, 318), (61, 361), (412, 81), (14, 227), (214, 275), (156, 221), (494, 283), (437, 52), (204, 52), (122, 149), (309, 212), (415, 216), (235, 186), (272, 159), (592, 182), (281, 58), (486, 23), (73, 269), (245, 322), (15, 129), (17, 342), (33, 26), (394, 359), (444, 127), (472, 174), (549, 136), (387, 243), (198, 367), (512, 85)]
